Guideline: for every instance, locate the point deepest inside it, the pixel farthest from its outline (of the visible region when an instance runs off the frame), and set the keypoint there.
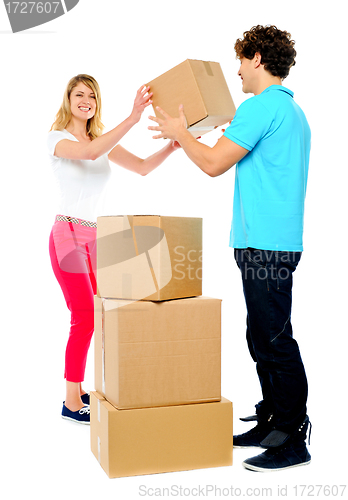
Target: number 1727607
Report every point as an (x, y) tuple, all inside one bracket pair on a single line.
[(32, 7), (311, 490)]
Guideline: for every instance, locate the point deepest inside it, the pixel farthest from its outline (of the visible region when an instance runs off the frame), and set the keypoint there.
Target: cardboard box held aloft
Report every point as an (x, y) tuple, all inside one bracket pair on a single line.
[(201, 87), (157, 353), (164, 439), (148, 257)]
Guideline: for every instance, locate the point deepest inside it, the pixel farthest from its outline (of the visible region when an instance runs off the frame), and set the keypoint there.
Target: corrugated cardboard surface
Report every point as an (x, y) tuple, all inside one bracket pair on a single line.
[(201, 87), (163, 439), (158, 353), (149, 257)]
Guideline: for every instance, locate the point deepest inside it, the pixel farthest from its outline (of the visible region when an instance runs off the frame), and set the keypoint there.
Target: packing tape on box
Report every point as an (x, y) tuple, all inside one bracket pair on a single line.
[(103, 347), (146, 238), (208, 68), (115, 305), (99, 406), (127, 285), (150, 242)]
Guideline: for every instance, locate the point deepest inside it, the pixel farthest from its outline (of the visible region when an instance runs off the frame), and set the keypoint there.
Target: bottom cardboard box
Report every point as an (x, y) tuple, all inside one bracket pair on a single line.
[(161, 439)]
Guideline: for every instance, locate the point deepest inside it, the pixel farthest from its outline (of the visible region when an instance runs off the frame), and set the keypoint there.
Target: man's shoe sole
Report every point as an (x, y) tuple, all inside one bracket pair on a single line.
[(74, 420), (251, 446), (261, 469)]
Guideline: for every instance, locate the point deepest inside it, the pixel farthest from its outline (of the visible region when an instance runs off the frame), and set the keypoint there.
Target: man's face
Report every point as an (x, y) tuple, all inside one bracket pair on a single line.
[(248, 74)]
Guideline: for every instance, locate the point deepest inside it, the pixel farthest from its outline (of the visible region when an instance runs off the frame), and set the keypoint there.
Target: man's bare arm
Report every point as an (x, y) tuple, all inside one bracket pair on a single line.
[(213, 161)]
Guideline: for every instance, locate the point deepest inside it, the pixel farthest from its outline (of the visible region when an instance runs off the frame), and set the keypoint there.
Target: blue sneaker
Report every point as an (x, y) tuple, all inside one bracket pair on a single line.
[(81, 416), (257, 434), (274, 459), (284, 451), (85, 398)]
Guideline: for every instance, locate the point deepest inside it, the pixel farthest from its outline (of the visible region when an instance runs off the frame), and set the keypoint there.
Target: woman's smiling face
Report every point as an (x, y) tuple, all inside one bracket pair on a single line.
[(82, 102)]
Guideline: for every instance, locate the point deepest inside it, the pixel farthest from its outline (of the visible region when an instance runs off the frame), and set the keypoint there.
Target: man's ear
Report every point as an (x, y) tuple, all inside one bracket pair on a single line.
[(257, 59)]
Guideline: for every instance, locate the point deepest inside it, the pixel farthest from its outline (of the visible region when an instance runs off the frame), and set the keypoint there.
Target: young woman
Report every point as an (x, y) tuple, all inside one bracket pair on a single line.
[(80, 157)]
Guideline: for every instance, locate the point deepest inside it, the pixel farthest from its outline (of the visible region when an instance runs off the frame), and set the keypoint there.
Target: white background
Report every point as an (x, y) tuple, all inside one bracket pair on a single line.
[(123, 46)]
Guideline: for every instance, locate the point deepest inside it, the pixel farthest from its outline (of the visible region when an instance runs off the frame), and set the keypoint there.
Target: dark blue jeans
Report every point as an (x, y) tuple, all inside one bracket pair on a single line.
[(267, 284)]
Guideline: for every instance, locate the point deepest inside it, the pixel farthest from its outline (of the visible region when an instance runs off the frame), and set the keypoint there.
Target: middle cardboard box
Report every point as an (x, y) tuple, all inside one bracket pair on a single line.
[(158, 353)]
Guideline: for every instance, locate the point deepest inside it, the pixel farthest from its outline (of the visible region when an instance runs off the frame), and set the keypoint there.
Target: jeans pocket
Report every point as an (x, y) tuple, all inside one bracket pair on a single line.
[(256, 257), (286, 265)]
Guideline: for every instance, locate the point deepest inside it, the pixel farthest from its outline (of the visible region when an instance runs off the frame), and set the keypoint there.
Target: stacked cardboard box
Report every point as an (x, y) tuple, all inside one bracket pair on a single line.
[(157, 405)]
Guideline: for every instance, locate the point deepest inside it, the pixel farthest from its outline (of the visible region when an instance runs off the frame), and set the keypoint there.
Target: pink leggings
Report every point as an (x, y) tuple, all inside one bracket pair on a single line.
[(72, 249)]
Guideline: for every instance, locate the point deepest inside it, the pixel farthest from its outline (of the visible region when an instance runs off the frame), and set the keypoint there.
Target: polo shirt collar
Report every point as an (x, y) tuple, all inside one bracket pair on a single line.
[(278, 87)]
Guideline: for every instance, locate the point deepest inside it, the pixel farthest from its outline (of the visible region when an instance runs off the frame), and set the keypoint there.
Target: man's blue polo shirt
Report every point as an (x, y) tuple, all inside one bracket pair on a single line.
[(271, 180)]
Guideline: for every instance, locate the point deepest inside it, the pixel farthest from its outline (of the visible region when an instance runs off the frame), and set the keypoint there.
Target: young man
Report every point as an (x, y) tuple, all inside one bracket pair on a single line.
[(269, 141)]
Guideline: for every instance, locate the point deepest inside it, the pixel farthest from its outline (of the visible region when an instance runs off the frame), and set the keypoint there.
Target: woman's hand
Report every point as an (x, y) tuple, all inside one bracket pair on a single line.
[(142, 100), (223, 129)]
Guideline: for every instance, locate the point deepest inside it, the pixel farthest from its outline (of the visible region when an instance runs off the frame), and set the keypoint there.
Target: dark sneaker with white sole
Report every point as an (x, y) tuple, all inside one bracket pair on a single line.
[(81, 416), (85, 398), (253, 438), (284, 451)]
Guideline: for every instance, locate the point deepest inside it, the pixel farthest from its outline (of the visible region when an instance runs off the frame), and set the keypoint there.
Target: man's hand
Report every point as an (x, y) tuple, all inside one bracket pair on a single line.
[(213, 161), (169, 127)]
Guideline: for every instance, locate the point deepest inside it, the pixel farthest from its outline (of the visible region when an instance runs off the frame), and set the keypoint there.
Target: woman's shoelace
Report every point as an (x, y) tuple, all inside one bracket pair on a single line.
[(85, 409)]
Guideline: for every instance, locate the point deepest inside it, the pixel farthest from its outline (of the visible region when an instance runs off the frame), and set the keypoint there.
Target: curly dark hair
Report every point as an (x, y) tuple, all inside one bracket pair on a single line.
[(275, 47)]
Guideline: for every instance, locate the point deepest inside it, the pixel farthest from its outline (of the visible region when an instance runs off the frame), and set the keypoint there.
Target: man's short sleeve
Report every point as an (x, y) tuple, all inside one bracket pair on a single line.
[(53, 138), (251, 123)]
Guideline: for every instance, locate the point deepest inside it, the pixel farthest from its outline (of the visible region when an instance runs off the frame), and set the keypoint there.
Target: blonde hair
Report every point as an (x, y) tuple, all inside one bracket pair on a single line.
[(94, 126)]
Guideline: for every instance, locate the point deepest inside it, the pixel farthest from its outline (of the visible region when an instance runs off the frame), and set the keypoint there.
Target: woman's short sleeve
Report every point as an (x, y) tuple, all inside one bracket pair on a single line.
[(53, 138)]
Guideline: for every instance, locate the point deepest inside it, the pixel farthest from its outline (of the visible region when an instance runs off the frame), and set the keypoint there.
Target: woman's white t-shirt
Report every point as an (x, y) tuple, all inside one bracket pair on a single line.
[(81, 182)]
